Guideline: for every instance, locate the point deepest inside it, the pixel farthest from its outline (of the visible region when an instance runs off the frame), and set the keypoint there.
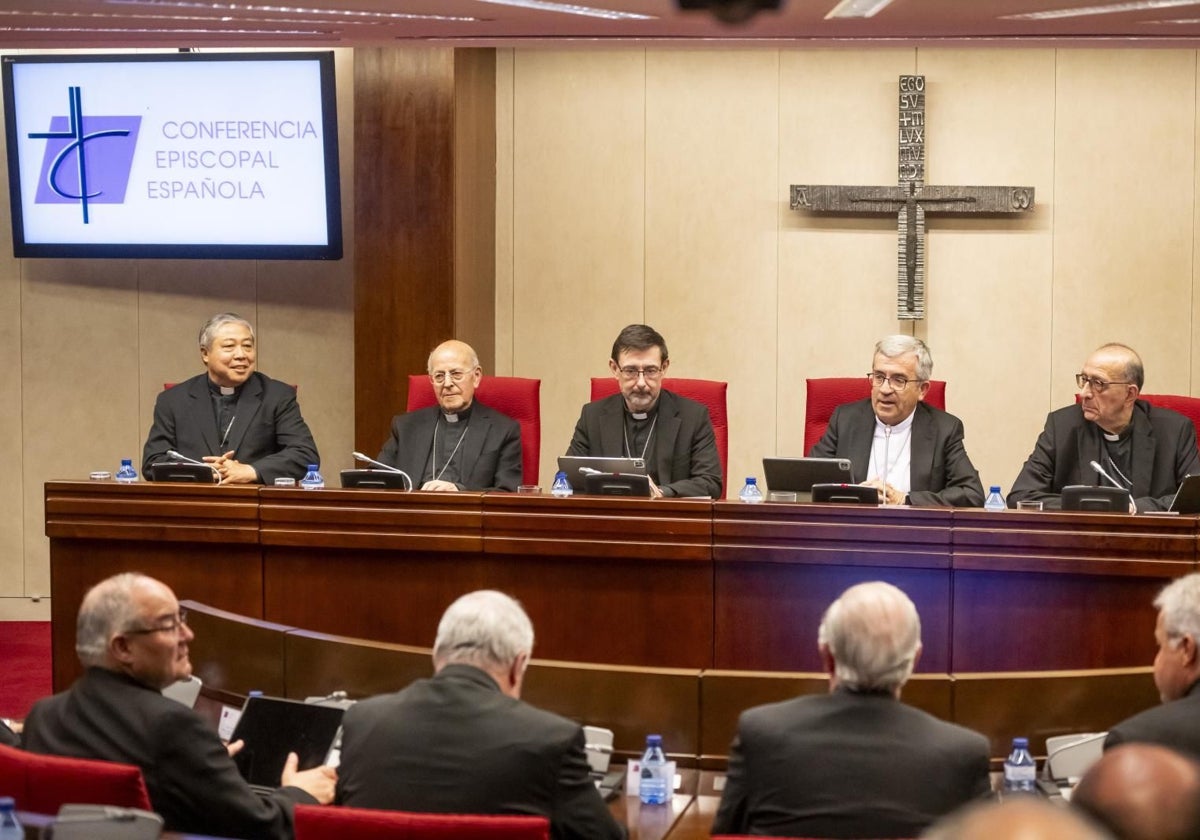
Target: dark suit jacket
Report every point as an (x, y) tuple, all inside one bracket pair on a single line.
[(268, 431), (491, 451), (942, 473), (192, 781), (1175, 725), (456, 744), (686, 462), (1164, 452), (847, 765)]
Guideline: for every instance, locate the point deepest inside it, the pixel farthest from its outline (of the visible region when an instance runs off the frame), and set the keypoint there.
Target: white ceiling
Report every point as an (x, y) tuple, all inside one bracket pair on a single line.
[(46, 24)]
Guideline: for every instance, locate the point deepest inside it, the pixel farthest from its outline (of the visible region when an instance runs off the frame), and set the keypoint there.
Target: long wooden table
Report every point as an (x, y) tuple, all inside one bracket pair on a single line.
[(668, 583)]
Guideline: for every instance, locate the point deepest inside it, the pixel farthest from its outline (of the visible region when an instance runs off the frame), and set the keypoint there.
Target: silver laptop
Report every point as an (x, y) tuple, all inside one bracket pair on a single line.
[(798, 475), (579, 467)]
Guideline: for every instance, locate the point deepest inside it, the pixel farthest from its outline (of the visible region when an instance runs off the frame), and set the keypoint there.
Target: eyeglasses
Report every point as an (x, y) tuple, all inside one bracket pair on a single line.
[(898, 383), (441, 377), (631, 373), (175, 625), (1098, 385)]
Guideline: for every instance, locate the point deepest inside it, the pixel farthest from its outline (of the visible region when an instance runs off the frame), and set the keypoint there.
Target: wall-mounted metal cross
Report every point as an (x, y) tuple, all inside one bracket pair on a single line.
[(911, 200)]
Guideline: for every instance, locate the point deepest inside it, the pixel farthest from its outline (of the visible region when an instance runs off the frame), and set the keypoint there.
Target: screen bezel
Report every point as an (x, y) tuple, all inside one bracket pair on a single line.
[(330, 250)]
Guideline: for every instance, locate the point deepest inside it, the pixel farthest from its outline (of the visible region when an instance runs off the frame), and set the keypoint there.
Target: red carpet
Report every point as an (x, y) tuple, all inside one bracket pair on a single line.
[(25, 654)]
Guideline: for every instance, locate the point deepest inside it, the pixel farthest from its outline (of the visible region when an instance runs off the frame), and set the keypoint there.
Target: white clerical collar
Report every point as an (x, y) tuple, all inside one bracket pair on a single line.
[(226, 391), (450, 418), (903, 426)]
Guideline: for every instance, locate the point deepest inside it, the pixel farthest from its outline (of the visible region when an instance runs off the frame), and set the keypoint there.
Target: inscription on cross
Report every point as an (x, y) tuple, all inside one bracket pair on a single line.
[(910, 200)]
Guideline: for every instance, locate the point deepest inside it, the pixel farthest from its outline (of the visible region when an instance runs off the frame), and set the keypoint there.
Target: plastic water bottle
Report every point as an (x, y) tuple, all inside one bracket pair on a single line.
[(654, 788), (1020, 770), (10, 826), (126, 474), (312, 479), (561, 487), (994, 500), (750, 494)]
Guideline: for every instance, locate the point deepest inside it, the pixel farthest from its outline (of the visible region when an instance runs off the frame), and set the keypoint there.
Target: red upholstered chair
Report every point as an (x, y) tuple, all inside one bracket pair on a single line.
[(515, 396), (314, 822), (710, 392), (44, 783), (824, 395), (1189, 407)]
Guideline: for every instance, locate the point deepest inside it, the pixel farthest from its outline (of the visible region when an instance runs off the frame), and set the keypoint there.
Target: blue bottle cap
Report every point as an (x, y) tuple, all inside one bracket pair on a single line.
[(653, 740)]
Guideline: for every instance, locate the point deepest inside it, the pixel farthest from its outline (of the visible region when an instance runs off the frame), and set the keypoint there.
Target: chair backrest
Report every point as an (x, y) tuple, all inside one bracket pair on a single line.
[(315, 822), (710, 392), (1189, 407), (44, 783), (515, 396), (824, 395)]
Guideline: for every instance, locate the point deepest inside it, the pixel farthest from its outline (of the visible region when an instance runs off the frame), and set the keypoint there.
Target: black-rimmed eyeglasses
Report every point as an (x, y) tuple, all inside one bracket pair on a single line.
[(174, 625), (1098, 385)]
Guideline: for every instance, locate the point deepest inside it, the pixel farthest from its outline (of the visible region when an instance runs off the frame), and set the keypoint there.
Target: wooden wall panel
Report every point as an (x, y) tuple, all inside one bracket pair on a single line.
[(404, 226)]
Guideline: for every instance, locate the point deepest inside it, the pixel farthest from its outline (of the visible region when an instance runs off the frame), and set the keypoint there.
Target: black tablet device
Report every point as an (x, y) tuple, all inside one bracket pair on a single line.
[(185, 473), (375, 479), (846, 494)]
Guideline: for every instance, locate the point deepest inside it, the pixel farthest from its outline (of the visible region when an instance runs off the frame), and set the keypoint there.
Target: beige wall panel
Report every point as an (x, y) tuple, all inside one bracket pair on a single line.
[(505, 288), (80, 406), (1124, 207), (837, 277), (578, 222), (12, 497), (990, 120), (1194, 367), (711, 269)]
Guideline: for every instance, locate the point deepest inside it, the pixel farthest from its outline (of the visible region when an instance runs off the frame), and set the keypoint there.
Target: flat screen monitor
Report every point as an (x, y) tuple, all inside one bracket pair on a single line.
[(1084, 497), (173, 155)]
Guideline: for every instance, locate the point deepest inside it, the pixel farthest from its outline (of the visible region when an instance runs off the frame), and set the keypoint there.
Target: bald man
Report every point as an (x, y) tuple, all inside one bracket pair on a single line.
[(1142, 448), (1019, 818), (1143, 792), (855, 762), (459, 444)]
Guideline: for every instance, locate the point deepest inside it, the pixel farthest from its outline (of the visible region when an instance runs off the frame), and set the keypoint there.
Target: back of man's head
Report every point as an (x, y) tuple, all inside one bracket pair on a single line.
[(1179, 603), (1019, 818), (873, 634), (107, 608), (1143, 792), (487, 629)]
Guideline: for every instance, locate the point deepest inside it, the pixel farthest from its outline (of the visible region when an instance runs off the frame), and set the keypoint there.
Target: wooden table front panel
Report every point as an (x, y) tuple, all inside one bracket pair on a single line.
[(1050, 590), (779, 566)]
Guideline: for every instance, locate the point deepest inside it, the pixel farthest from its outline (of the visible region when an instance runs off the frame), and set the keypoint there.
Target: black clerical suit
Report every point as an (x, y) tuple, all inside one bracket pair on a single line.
[(456, 744), (267, 430), (847, 764), (941, 473), (192, 781), (488, 459), (1175, 725), (685, 461), (1163, 454)]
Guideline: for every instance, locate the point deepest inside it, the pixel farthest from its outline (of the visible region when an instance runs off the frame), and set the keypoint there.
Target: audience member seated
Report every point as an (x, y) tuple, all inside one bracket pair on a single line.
[(133, 640), (674, 435), (1019, 818), (460, 444), (1143, 792), (855, 762), (1143, 448), (248, 426), (8, 734), (463, 741), (912, 453), (1176, 723)]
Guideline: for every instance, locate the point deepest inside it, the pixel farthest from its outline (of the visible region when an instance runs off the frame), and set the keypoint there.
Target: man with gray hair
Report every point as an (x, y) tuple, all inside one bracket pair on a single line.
[(246, 425), (911, 452), (1143, 448), (133, 639), (855, 762), (1176, 723), (463, 741), (459, 444)]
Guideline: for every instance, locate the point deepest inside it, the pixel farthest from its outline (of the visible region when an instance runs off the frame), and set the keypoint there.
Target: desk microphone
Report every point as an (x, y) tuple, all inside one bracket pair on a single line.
[(358, 456), (1096, 466), (186, 460)]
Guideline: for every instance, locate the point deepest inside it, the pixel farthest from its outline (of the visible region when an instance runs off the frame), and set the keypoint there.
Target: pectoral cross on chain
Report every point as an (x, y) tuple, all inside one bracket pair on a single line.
[(911, 200)]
